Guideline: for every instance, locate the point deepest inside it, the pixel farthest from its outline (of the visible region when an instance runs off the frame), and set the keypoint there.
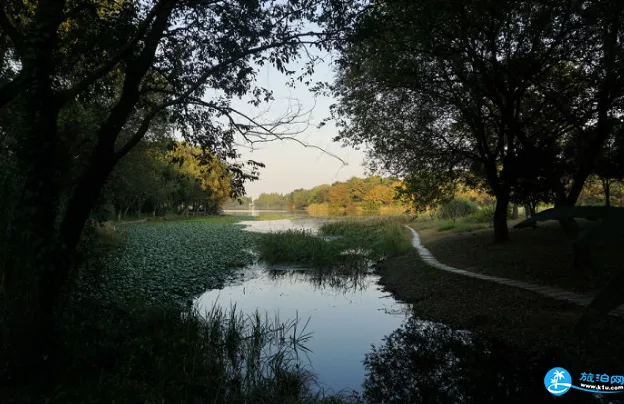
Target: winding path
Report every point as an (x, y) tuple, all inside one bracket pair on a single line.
[(553, 293)]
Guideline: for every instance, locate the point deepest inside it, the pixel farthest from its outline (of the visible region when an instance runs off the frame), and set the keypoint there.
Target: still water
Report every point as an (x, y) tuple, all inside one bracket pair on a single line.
[(267, 226), (346, 313), (345, 318), (363, 340), (265, 212)]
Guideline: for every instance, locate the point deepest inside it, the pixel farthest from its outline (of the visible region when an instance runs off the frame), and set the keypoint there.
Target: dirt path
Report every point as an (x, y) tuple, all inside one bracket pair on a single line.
[(553, 293)]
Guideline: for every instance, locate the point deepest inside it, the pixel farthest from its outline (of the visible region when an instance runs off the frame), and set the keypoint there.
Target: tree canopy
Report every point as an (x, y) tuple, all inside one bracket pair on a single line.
[(495, 92), (84, 82)]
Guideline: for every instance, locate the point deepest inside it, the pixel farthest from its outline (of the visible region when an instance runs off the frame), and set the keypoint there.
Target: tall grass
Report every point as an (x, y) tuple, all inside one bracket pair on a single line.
[(150, 353), (297, 247), (383, 236), (357, 242)]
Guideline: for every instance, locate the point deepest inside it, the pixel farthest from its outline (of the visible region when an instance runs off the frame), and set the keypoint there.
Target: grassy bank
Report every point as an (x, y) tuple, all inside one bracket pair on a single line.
[(127, 334), (521, 319), (343, 243), (543, 255)]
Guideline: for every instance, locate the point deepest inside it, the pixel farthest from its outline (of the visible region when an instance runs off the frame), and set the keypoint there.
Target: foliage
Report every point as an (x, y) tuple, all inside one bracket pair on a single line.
[(377, 197), (484, 214), (446, 226), (270, 201), (504, 94), (339, 196), (82, 84), (167, 176), (371, 193), (165, 355), (174, 260), (593, 193), (145, 343), (300, 248), (242, 202), (383, 236), (457, 208), (352, 243)]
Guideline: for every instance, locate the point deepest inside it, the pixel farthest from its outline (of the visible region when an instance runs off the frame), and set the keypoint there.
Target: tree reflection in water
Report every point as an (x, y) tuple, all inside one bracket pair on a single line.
[(423, 362), (343, 279)]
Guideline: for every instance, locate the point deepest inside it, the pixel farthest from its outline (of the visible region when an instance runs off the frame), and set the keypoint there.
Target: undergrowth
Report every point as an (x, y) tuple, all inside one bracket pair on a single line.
[(126, 336)]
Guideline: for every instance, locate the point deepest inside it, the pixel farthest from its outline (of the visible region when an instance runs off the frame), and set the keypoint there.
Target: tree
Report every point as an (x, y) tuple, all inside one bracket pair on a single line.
[(378, 196), (481, 86), (357, 189), (320, 194), (270, 201), (133, 64), (339, 196), (610, 163)]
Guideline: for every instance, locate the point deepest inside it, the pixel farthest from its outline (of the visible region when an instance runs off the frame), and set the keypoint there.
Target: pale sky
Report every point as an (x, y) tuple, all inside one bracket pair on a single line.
[(290, 165)]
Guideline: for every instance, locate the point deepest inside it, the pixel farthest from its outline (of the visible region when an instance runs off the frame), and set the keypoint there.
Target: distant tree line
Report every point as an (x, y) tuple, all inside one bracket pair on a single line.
[(242, 202), (369, 193)]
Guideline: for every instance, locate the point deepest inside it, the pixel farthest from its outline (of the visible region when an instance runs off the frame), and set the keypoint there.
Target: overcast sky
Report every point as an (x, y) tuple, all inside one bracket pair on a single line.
[(290, 165)]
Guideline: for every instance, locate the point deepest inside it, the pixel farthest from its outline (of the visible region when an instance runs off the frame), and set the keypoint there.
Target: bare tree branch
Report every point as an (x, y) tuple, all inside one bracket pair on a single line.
[(265, 132)]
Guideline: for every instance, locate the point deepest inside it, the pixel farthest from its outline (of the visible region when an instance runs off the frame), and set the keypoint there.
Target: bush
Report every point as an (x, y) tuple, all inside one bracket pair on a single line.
[(458, 208), (483, 215)]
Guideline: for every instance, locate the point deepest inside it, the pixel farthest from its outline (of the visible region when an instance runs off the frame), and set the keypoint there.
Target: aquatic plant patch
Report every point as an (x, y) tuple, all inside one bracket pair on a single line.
[(174, 261), (342, 244)]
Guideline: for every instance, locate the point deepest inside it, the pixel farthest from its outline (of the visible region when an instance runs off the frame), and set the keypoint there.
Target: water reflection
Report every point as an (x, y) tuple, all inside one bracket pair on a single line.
[(423, 362), (268, 226), (346, 315), (265, 212), (342, 280)]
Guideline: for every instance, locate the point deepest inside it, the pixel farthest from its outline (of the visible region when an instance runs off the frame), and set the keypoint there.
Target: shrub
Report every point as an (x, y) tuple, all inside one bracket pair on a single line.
[(482, 215), (457, 208)]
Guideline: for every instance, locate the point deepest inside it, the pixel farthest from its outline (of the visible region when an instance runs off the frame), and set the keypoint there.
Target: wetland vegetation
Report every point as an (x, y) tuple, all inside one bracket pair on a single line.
[(126, 127)]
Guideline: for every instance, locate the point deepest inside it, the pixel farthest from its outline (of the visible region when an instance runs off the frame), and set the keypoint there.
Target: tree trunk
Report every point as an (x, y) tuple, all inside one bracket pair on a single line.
[(606, 186), (514, 212), (501, 232), (34, 243), (527, 211)]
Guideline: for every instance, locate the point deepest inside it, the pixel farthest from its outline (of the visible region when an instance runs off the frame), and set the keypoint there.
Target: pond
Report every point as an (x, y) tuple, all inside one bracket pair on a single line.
[(364, 341), (265, 212), (266, 226), (344, 314), (344, 318)]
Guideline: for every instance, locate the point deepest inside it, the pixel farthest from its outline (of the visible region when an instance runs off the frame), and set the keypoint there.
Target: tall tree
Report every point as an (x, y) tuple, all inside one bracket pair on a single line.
[(135, 62), (487, 87)]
